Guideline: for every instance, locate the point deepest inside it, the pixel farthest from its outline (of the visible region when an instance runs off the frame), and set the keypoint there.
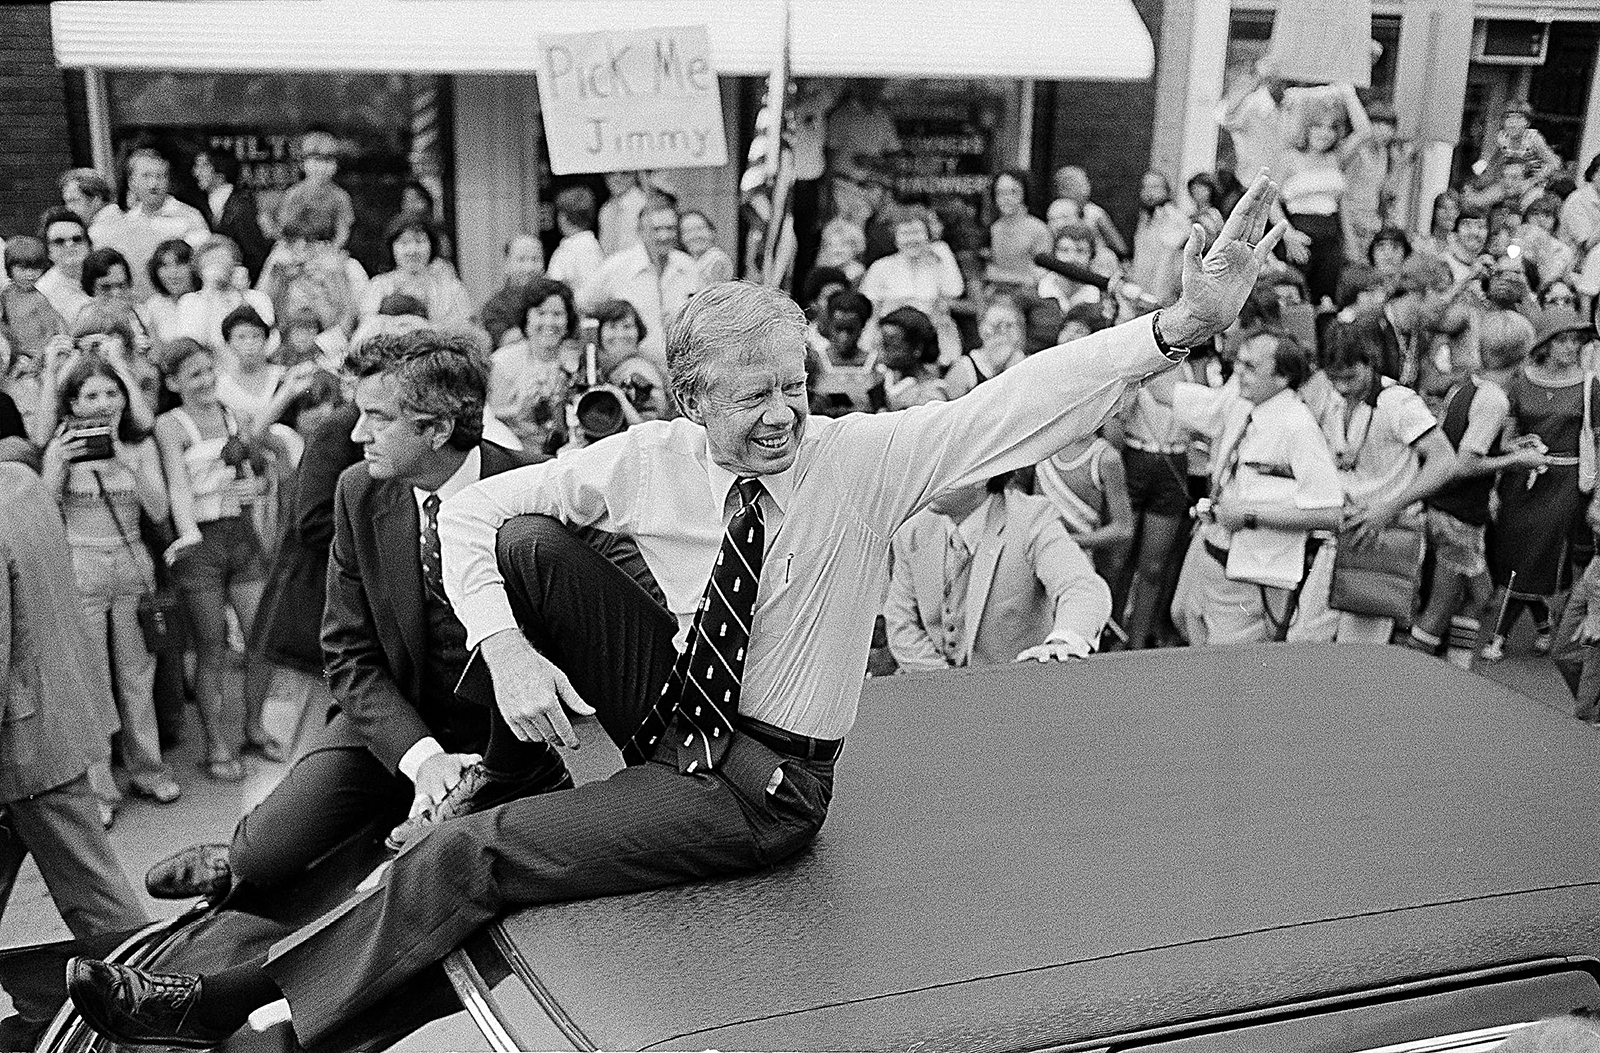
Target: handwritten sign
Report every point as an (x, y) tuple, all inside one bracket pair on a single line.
[(628, 100), (1324, 41)]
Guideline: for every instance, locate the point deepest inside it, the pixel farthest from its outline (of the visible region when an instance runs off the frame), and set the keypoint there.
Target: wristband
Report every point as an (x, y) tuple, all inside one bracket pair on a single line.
[(1165, 348)]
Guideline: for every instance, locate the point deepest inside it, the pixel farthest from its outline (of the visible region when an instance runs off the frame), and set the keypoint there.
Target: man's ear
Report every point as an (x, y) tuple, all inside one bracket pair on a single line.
[(693, 408), (439, 432)]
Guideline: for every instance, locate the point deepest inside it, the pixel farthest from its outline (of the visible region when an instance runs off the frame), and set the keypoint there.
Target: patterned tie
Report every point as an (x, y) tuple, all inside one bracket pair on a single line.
[(703, 688), (957, 576), (432, 560)]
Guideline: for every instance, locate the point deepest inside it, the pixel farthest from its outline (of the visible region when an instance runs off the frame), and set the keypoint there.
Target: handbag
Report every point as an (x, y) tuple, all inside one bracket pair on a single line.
[(1379, 579), (159, 610), (1586, 452)]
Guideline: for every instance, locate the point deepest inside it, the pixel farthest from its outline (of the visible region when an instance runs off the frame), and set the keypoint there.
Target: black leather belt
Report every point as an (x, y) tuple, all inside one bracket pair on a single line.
[(789, 744)]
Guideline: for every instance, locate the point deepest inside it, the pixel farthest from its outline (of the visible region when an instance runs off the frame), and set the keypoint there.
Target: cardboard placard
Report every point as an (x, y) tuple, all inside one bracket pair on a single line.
[(640, 99), (1323, 41)]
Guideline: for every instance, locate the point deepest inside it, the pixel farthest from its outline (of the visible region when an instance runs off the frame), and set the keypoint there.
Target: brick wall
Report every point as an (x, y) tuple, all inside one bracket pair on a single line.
[(35, 136), (1104, 127)]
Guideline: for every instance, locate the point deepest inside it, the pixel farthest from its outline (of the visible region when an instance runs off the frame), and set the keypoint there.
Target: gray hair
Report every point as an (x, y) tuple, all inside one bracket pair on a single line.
[(738, 316)]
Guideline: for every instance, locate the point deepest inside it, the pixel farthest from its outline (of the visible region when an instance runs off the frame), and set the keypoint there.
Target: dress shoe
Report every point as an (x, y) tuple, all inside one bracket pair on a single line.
[(132, 1007), (199, 870), (478, 791)]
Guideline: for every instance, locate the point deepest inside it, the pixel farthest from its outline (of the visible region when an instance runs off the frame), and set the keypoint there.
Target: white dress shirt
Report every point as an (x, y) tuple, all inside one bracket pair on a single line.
[(657, 296), (576, 259), (829, 516), (471, 471)]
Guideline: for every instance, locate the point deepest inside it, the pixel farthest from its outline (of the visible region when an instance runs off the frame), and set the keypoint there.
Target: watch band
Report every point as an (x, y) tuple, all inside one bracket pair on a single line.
[(1161, 342)]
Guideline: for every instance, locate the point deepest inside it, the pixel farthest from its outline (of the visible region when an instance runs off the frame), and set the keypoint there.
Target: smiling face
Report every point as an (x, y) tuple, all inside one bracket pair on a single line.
[(1472, 234), (620, 337), (546, 324), (753, 406), (67, 244), (696, 233), (175, 275)]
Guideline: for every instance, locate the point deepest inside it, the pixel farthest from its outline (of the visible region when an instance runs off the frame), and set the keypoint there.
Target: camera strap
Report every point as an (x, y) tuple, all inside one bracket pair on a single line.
[(111, 510)]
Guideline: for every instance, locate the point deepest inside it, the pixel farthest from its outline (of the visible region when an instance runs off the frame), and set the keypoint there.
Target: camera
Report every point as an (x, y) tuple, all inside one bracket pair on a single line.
[(95, 435)]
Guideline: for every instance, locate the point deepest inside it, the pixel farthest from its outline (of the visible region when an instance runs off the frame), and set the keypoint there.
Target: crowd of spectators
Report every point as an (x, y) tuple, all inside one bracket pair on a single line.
[(1391, 382)]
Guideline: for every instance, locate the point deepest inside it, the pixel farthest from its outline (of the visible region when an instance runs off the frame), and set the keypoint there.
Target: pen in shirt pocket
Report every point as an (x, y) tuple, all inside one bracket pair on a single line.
[(788, 564)]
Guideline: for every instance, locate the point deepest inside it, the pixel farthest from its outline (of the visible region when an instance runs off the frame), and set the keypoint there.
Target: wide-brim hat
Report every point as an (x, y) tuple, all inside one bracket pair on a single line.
[(1553, 321)]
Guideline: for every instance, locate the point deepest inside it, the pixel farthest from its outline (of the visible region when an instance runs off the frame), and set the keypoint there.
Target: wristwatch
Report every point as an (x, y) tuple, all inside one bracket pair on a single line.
[(1165, 348)]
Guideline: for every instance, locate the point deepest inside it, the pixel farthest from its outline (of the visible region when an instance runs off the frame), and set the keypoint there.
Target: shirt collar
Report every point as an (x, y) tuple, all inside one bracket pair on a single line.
[(780, 487), (971, 528), (464, 476)]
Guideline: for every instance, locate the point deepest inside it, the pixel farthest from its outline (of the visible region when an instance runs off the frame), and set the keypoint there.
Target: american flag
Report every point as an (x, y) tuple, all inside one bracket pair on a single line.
[(764, 189)]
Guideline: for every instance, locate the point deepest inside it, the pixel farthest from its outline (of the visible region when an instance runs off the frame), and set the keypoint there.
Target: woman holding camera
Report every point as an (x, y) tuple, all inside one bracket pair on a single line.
[(621, 363), (105, 471), (217, 559), (529, 380)]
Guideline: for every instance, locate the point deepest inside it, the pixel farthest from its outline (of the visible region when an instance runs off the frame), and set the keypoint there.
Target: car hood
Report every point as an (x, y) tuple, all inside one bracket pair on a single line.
[(1014, 822)]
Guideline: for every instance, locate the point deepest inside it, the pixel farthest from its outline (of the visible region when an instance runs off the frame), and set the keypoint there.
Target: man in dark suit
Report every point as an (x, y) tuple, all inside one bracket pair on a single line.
[(230, 208), (398, 738)]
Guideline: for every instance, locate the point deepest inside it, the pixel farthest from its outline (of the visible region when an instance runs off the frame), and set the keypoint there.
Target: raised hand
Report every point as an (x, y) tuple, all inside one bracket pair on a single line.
[(1217, 283)]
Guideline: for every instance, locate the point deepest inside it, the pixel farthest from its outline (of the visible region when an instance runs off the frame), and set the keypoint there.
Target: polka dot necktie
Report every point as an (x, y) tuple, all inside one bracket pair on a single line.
[(703, 688), (432, 556)]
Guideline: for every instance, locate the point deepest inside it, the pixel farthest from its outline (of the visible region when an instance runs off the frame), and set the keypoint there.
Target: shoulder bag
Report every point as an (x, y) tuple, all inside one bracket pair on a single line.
[(160, 611), (1379, 579)]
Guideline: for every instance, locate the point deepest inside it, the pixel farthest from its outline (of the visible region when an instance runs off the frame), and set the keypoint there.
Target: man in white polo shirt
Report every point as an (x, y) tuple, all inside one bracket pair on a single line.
[(153, 216)]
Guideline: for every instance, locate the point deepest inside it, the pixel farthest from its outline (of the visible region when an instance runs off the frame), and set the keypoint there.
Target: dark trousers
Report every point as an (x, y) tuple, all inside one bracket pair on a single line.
[(329, 793), (646, 826)]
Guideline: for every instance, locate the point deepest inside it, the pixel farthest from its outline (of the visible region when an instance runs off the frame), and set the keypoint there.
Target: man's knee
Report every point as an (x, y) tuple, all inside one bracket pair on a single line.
[(526, 541)]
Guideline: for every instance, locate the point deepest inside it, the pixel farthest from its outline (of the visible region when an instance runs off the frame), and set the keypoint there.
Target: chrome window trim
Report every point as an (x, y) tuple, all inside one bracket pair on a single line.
[(1479, 1041), (477, 1000)]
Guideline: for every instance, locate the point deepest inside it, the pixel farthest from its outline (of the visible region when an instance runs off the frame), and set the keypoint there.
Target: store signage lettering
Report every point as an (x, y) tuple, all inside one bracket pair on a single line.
[(629, 100), (266, 161)]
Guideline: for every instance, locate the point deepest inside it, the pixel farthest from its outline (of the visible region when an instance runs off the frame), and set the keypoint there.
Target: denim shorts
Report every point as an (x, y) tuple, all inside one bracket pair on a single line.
[(1457, 545), (229, 553)]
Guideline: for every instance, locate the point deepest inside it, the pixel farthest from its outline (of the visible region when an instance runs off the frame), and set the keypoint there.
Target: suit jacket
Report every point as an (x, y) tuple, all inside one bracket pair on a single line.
[(1029, 581), (299, 575), (57, 711), (374, 624), (239, 221)]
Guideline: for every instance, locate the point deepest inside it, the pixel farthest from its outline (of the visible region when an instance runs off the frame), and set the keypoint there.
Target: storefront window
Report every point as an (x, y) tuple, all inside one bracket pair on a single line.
[(391, 127)]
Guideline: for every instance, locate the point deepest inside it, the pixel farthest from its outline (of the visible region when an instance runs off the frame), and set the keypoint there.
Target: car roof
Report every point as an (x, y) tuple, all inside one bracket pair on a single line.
[(1033, 855)]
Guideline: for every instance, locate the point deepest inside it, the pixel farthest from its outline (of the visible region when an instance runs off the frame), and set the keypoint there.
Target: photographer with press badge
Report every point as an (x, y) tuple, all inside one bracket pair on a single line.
[(105, 472)]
